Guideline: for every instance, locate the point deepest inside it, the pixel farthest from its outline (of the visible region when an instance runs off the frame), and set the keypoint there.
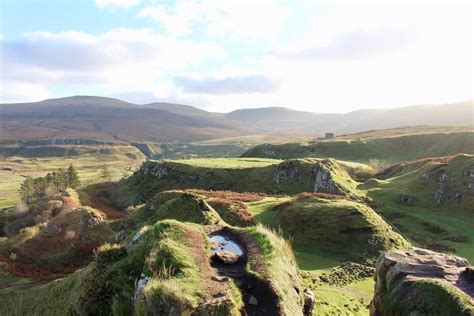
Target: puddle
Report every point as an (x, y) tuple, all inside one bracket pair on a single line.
[(219, 243)]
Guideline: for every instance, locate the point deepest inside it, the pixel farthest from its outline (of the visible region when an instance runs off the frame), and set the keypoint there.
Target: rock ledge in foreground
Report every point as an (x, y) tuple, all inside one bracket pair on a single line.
[(422, 282)]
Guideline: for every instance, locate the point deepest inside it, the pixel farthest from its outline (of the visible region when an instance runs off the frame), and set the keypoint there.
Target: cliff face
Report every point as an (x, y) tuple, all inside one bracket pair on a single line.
[(423, 282)]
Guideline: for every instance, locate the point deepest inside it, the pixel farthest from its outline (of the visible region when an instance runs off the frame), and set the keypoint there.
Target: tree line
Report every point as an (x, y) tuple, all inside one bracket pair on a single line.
[(37, 189)]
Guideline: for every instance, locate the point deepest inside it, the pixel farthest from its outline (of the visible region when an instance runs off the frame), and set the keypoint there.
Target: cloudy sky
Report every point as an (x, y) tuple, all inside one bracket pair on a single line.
[(222, 55)]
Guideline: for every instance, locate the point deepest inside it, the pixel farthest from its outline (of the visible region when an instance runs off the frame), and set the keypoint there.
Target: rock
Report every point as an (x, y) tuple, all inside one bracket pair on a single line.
[(155, 169), (446, 194), (253, 300), (405, 199), (220, 278), (308, 302), (400, 277), (285, 171), (226, 257), (139, 286)]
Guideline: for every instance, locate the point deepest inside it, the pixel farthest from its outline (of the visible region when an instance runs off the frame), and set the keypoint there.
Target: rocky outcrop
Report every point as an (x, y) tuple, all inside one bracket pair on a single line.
[(445, 192), (324, 181), (286, 170), (308, 302), (155, 169), (422, 282), (406, 199), (68, 141)]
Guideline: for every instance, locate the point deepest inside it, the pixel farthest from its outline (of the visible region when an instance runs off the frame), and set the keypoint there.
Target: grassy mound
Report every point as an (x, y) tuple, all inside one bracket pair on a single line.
[(332, 227), (288, 177), (383, 147), (178, 205)]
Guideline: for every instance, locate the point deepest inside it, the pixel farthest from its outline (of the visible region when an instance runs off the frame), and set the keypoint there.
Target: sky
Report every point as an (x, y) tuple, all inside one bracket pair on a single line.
[(319, 56)]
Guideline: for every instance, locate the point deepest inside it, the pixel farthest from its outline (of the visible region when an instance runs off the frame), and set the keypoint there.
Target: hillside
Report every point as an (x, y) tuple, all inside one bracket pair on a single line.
[(430, 201), (107, 119), (386, 145), (99, 118)]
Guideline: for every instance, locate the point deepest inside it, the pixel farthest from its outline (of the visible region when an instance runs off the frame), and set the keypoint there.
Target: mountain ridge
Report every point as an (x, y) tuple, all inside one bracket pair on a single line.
[(110, 118)]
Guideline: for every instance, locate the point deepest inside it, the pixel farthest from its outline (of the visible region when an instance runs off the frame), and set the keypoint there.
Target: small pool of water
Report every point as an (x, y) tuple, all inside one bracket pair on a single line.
[(221, 243)]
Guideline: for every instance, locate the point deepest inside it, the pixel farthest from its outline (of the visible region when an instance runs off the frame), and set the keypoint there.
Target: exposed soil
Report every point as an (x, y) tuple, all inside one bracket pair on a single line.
[(107, 210)]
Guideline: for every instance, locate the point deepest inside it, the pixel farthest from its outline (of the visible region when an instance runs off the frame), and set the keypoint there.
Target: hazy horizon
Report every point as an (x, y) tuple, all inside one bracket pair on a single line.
[(244, 108)]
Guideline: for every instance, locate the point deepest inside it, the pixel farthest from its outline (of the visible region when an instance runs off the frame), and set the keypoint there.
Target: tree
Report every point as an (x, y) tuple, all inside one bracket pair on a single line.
[(104, 172), (73, 177), (27, 190)]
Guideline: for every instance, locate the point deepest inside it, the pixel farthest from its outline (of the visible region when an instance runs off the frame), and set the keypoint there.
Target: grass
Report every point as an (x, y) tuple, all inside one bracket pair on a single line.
[(88, 166), (280, 263), (390, 147), (229, 146), (352, 299), (427, 223), (231, 163), (336, 230), (294, 177)]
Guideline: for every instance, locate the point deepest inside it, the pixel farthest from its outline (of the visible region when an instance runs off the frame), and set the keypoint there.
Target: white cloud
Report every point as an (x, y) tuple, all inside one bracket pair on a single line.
[(23, 92), (117, 60), (340, 58), (260, 20), (227, 85), (117, 3)]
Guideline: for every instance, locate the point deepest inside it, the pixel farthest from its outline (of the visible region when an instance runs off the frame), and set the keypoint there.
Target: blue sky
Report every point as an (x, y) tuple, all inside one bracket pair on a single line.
[(222, 55)]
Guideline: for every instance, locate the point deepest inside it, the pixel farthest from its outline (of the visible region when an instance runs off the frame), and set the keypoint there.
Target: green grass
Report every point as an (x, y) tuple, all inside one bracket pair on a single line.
[(335, 230), (385, 147), (88, 166), (280, 265), (352, 299), (426, 223), (240, 175), (232, 163)]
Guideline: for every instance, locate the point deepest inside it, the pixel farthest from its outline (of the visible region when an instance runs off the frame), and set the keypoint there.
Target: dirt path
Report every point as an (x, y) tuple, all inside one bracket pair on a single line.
[(197, 243), (258, 295)]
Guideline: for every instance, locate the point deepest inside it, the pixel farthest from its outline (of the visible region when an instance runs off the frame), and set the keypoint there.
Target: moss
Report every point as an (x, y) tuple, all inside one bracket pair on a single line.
[(427, 297)]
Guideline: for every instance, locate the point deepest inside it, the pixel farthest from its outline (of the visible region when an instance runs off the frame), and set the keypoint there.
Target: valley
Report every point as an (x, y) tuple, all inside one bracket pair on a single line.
[(310, 216)]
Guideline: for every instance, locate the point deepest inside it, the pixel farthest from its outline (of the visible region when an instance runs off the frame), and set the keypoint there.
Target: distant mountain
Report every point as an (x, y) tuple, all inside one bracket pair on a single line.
[(89, 117)]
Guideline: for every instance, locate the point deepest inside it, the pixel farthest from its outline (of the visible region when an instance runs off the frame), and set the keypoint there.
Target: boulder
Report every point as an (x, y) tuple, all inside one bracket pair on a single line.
[(407, 281), (253, 300), (226, 257)]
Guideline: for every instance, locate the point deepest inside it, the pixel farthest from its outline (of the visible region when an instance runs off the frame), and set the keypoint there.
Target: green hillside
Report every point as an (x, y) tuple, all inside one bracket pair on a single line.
[(430, 201), (389, 149)]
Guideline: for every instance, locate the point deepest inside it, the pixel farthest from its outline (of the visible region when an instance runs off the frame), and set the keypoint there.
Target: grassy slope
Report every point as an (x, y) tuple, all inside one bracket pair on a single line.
[(426, 223), (232, 146), (228, 173), (383, 147)]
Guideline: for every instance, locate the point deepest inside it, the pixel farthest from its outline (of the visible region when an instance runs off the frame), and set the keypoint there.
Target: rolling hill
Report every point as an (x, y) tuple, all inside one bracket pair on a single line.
[(99, 118)]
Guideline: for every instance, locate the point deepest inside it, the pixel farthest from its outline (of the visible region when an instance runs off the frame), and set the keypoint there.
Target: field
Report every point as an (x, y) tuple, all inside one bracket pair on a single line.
[(14, 169), (388, 146), (231, 163)]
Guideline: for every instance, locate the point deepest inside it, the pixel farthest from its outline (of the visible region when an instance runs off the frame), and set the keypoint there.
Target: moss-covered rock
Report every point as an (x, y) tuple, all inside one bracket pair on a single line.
[(422, 282)]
